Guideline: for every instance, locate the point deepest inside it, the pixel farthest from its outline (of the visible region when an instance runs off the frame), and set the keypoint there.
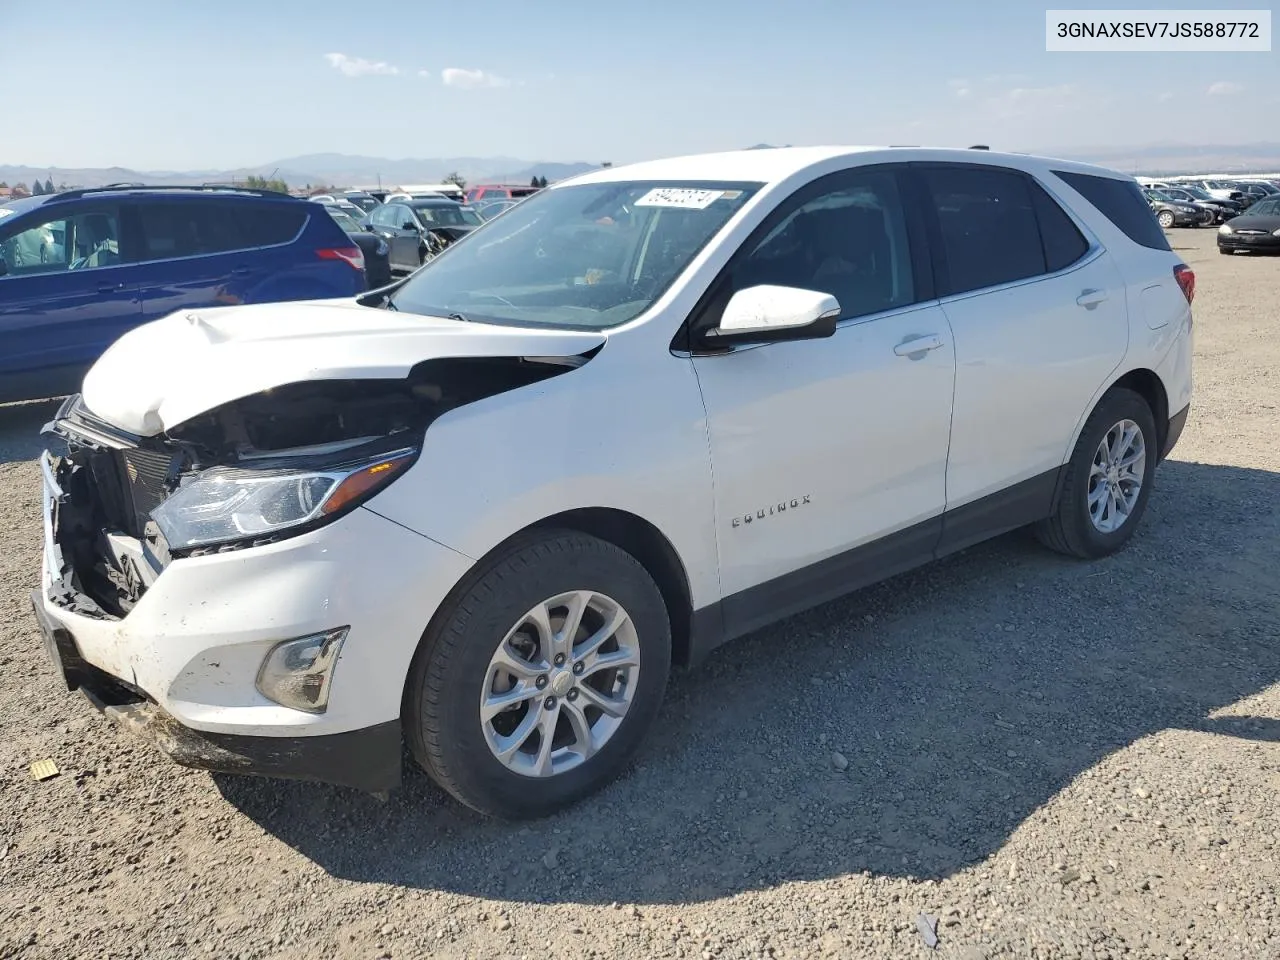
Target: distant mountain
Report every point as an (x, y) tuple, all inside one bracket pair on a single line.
[(342, 169), (319, 168), (1171, 158)]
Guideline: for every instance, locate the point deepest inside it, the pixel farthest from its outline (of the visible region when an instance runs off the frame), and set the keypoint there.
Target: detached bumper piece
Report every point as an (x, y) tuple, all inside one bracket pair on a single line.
[(368, 759)]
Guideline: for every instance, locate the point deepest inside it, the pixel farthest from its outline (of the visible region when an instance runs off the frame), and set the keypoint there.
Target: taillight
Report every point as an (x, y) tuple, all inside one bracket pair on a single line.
[(352, 255), (1186, 278)]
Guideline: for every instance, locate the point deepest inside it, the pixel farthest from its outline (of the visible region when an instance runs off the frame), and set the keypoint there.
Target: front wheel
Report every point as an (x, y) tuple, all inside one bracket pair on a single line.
[(538, 679), (1108, 479), (1165, 219)]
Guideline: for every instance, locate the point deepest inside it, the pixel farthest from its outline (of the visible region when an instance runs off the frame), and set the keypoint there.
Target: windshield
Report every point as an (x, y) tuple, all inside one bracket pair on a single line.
[(1197, 193), (364, 203), (345, 220), (447, 215), (1160, 195), (592, 255)]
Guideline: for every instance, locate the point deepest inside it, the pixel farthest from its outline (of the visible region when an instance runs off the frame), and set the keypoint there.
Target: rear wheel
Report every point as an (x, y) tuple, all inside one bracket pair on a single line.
[(1108, 479), (537, 682)]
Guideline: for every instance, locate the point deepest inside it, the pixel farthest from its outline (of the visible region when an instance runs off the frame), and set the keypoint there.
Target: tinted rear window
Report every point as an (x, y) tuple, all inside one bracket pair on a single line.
[(202, 228), (1121, 202), (264, 225), (1064, 244)]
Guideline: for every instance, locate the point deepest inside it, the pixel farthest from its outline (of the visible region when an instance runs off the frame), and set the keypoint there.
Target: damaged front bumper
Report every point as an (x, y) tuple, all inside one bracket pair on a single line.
[(367, 759), (174, 655)]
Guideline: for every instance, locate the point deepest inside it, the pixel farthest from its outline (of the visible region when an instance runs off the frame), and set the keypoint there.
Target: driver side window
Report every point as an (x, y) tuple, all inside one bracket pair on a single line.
[(78, 242), (849, 241)]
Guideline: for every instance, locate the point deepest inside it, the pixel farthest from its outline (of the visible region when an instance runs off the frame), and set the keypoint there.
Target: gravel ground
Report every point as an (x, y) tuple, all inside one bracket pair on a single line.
[(1053, 759)]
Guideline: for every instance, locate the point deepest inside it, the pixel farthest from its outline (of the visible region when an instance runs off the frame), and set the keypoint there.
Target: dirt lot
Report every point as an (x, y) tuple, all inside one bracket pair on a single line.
[(1055, 759)]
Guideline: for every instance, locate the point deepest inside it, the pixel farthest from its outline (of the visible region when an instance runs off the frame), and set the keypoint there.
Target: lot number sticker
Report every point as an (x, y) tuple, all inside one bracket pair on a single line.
[(680, 197)]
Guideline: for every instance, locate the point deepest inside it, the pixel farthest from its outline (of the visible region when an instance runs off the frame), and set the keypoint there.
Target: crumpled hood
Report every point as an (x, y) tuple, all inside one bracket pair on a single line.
[(168, 371)]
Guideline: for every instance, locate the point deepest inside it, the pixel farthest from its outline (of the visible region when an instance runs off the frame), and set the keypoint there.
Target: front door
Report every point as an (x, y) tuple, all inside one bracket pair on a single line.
[(829, 456), (66, 293)]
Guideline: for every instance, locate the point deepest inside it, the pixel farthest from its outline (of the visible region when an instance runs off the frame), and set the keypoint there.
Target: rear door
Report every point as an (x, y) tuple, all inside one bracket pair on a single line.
[(1039, 314), (216, 251), (189, 247), (66, 293)]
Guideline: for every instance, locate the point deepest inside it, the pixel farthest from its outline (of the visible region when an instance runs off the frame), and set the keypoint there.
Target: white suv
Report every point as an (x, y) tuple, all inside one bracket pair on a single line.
[(642, 413)]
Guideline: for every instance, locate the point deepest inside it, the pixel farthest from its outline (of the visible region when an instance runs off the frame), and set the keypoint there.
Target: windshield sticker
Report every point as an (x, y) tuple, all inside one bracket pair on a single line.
[(680, 197)]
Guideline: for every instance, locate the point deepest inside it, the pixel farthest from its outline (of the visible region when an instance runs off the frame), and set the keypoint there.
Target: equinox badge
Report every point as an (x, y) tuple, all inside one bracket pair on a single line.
[(772, 510)]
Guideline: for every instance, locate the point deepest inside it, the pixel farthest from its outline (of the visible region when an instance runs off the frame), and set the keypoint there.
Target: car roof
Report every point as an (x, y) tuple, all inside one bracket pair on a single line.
[(773, 165), (431, 202)]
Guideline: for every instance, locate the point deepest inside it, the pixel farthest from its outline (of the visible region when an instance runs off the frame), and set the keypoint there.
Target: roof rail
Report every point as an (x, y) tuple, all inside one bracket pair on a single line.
[(197, 187), (979, 146)]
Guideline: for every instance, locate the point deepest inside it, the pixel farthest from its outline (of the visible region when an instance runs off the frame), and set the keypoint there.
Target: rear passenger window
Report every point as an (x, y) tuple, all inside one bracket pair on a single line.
[(989, 229), (850, 242), (1121, 202), (264, 225), (171, 230), (1064, 244)]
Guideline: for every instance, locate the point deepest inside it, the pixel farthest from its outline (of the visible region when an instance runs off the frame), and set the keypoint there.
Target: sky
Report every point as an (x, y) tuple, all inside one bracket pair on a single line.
[(180, 85)]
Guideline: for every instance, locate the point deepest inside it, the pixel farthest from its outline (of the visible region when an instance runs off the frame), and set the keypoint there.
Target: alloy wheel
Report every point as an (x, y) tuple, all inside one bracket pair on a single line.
[(559, 685), (1116, 476)]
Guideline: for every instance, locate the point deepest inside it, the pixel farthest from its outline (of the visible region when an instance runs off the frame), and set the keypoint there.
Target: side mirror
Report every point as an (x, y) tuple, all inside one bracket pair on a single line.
[(766, 313), (408, 225)]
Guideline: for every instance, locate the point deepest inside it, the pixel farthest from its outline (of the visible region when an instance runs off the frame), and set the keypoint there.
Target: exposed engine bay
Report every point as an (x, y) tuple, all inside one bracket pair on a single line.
[(112, 549)]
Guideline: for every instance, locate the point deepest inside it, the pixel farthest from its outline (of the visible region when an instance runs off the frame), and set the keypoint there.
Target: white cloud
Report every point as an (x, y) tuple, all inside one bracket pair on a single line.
[(1225, 88), (471, 79), (961, 88), (360, 67), (424, 73), (1165, 97), (1021, 101)]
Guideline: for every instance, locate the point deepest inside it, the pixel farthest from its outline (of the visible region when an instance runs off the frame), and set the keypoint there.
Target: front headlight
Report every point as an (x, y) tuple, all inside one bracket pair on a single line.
[(1275, 233), (224, 504), (1225, 228)]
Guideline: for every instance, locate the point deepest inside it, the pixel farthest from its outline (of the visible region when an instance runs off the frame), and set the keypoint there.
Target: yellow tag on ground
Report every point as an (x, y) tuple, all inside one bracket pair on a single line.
[(44, 769)]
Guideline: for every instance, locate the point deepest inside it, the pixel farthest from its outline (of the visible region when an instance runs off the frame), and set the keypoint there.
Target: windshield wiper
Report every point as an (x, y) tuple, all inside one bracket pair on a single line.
[(457, 316)]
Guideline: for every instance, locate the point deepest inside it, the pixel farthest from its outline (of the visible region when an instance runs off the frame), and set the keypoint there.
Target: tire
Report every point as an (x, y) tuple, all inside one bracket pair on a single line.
[(454, 670), (1165, 218), (1071, 529)]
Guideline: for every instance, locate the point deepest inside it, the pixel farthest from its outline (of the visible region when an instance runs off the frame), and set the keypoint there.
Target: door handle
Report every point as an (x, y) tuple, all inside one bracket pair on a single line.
[(239, 271), (1091, 298), (110, 287), (918, 346)]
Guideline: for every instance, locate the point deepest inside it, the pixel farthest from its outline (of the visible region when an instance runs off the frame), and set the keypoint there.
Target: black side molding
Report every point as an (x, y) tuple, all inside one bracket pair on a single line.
[(749, 610), (1176, 424)]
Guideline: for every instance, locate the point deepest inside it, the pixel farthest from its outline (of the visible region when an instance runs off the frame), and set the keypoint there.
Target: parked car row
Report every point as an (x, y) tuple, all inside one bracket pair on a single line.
[(419, 224)]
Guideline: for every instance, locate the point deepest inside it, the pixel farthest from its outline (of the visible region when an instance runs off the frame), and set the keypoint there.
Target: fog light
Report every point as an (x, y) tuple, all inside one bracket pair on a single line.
[(298, 673)]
